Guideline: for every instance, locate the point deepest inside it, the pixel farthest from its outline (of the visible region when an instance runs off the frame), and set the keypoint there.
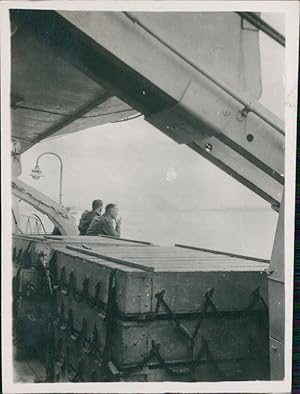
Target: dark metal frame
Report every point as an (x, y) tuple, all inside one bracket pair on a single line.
[(260, 24), (122, 81)]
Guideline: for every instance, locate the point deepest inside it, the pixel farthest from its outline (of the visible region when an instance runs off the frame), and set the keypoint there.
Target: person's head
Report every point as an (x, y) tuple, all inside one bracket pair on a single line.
[(112, 210), (97, 206)]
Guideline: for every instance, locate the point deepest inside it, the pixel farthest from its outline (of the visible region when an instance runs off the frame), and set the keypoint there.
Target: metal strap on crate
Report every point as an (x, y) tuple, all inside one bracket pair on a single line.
[(186, 370), (67, 285), (109, 319), (204, 351), (76, 374), (26, 256), (19, 255), (172, 370), (185, 331), (50, 353), (90, 344), (52, 273), (257, 298)]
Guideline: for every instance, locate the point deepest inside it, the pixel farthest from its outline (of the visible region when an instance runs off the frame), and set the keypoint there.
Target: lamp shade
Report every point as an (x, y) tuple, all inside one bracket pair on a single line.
[(36, 172)]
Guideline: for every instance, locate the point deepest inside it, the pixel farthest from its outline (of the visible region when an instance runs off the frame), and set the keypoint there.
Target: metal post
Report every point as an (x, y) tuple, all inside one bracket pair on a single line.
[(276, 289), (60, 172)]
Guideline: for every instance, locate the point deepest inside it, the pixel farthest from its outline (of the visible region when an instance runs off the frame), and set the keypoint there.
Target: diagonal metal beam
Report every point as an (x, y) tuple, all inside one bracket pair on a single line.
[(58, 215), (234, 174), (195, 106)]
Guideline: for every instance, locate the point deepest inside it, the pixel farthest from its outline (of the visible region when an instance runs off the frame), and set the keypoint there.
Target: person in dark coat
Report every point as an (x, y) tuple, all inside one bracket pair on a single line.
[(88, 216), (108, 224)]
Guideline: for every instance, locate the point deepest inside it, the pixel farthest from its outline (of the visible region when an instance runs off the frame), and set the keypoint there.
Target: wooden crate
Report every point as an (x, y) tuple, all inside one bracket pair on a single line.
[(44, 244), (185, 277), (145, 302)]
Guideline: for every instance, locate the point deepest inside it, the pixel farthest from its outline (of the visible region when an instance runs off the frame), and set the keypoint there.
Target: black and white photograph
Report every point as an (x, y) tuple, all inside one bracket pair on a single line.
[(149, 154)]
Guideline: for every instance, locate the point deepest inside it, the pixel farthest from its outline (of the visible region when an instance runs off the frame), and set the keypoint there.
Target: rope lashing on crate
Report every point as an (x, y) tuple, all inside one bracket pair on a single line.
[(67, 286), (70, 330), (58, 349), (19, 256), (204, 350), (174, 371), (138, 367), (76, 375), (91, 345), (63, 285), (52, 274), (208, 304), (190, 336), (50, 353), (83, 296), (160, 301), (14, 254), (62, 360), (257, 299), (63, 363), (71, 285), (155, 347), (185, 331), (109, 318), (83, 334), (61, 317), (59, 357), (66, 283), (26, 259)]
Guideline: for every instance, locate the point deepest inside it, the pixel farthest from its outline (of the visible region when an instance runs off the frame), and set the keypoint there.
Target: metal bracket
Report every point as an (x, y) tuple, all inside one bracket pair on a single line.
[(242, 114)]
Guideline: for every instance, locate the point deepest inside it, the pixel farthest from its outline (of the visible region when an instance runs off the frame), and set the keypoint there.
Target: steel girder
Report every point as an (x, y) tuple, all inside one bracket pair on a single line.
[(173, 92), (58, 215)]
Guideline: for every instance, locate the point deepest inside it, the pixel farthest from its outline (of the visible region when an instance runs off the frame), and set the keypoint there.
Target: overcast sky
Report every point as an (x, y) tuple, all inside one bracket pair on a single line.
[(167, 193)]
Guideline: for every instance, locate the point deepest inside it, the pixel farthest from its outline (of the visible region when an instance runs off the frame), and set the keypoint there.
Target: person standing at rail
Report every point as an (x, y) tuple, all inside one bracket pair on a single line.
[(88, 216), (107, 224)]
